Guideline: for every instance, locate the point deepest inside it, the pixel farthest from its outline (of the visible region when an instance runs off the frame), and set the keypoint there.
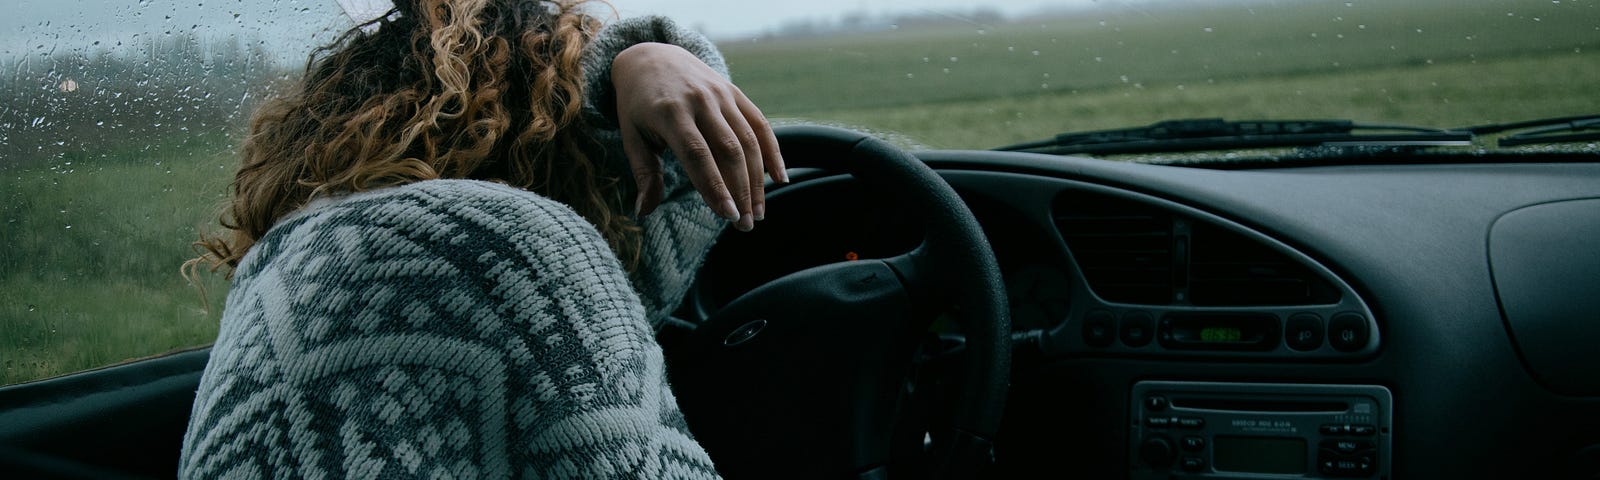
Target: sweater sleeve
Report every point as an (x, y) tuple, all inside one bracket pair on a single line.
[(442, 329), (682, 229)]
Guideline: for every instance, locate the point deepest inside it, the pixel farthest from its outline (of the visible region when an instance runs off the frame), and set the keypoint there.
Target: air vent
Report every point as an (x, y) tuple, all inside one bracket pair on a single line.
[(1123, 248), (1141, 253)]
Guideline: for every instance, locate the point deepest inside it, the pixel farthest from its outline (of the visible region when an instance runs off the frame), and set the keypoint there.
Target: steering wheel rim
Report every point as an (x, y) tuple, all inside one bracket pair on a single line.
[(954, 263)]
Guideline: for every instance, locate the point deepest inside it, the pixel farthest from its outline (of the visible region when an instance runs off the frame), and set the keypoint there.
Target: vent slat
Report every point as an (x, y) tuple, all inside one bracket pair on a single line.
[(1125, 250)]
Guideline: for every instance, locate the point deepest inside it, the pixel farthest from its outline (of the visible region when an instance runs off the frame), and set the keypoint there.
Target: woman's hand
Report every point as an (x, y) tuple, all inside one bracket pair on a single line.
[(668, 98)]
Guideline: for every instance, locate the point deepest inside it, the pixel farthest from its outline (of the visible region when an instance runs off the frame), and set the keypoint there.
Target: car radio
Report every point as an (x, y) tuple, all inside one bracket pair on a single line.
[(1206, 430)]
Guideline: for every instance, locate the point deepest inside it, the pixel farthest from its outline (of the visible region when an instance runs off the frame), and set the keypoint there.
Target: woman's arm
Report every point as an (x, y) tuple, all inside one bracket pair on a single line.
[(655, 87)]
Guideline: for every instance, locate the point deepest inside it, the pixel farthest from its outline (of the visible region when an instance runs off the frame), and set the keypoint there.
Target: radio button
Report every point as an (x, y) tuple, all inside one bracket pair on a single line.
[(1348, 446), (1137, 329), (1363, 430), (1191, 422), (1156, 452), (1333, 464), (1194, 443), (1348, 332), (1193, 464), (1304, 332), (1160, 422), (1332, 429), (1155, 402), (1099, 328)]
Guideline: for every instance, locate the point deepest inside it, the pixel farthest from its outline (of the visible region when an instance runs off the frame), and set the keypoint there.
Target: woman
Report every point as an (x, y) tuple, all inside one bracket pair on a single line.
[(436, 269)]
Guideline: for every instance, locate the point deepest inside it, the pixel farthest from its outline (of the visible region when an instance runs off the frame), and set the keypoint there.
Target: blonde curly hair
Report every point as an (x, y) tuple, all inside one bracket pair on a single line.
[(480, 89)]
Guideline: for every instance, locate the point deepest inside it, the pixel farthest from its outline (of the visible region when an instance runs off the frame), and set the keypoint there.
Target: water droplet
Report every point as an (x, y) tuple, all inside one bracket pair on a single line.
[(32, 307), (954, 59), (908, 75), (1035, 53), (1208, 29)]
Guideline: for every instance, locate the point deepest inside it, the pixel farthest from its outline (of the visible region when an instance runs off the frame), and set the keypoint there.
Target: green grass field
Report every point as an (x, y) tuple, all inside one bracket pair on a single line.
[(90, 246), (92, 250)]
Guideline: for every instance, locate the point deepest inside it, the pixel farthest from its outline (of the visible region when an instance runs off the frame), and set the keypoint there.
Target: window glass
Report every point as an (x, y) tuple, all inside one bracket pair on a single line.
[(119, 119), (118, 122)]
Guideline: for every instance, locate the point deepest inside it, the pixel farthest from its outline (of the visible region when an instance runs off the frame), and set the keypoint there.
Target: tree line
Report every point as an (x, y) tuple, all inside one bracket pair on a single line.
[(91, 102)]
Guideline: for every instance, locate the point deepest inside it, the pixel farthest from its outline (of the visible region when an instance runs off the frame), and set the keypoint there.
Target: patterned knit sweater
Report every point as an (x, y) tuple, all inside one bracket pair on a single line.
[(456, 329)]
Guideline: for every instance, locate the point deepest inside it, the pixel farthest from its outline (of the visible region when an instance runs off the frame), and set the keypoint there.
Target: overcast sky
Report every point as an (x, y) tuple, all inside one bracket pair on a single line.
[(734, 18), (43, 26)]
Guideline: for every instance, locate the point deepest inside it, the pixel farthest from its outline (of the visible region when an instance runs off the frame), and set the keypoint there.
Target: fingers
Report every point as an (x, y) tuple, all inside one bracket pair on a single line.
[(754, 167), (700, 164), (769, 141), (646, 169), (729, 155)]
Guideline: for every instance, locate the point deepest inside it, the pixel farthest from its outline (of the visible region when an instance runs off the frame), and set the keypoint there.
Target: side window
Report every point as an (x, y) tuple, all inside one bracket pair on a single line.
[(118, 127)]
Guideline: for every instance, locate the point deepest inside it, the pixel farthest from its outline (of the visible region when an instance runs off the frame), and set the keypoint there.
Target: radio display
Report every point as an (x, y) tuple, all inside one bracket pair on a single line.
[(1221, 334), (1259, 454)]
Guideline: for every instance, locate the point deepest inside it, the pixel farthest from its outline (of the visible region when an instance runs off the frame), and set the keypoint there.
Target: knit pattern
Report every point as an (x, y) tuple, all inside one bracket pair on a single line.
[(682, 229), (458, 329), (444, 329)]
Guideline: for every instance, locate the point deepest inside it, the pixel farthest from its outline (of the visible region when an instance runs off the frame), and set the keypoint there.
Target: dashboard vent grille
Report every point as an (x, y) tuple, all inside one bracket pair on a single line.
[(1139, 253), (1123, 248)]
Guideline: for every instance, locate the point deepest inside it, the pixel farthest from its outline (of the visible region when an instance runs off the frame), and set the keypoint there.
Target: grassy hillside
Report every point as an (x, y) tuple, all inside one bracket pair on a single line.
[(1126, 48)]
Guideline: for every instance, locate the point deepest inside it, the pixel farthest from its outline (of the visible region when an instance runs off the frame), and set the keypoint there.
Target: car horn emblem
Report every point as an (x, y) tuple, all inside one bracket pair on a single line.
[(745, 332)]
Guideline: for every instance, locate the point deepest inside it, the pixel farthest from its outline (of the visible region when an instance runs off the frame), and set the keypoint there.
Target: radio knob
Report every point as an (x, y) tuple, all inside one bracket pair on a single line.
[(1156, 452)]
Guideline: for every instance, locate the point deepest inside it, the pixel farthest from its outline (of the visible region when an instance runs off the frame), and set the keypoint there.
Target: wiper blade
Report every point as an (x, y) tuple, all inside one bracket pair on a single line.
[(1581, 128), (1217, 134)]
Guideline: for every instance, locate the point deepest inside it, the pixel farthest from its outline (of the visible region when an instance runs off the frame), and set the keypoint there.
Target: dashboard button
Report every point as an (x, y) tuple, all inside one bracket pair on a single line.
[(1194, 443), (1159, 422), (1348, 332), (1137, 328), (1304, 332), (1193, 464), (1099, 328), (1156, 452), (1191, 422), (1347, 446), (1331, 429), (1155, 402), (1363, 430)]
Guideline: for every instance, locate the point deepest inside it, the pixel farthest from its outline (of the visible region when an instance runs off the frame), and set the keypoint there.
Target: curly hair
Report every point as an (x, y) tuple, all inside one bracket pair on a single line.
[(480, 89)]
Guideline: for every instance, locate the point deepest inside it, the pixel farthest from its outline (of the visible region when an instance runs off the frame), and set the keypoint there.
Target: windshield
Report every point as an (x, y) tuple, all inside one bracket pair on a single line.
[(119, 120)]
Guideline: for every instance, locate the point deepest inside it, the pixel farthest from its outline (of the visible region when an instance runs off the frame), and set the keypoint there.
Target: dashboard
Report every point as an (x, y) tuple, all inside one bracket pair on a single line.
[(1431, 320)]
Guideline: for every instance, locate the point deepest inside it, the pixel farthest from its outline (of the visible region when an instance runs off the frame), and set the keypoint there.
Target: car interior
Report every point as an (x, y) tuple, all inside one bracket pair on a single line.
[(1321, 299), (1384, 315)]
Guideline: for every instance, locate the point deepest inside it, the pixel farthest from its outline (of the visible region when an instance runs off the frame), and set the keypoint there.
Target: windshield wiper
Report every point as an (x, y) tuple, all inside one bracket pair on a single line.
[(1581, 128), (1217, 134)]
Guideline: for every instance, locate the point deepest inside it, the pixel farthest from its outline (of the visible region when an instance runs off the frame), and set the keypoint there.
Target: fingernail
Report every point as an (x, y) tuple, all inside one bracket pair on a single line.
[(783, 174), (729, 211), (745, 223), (760, 211)]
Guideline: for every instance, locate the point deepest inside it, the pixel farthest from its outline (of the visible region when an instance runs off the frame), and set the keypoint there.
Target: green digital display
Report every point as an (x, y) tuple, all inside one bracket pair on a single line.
[(1221, 334)]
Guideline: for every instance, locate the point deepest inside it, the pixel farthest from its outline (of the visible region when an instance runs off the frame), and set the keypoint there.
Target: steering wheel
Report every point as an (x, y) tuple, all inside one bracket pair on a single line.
[(805, 376)]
